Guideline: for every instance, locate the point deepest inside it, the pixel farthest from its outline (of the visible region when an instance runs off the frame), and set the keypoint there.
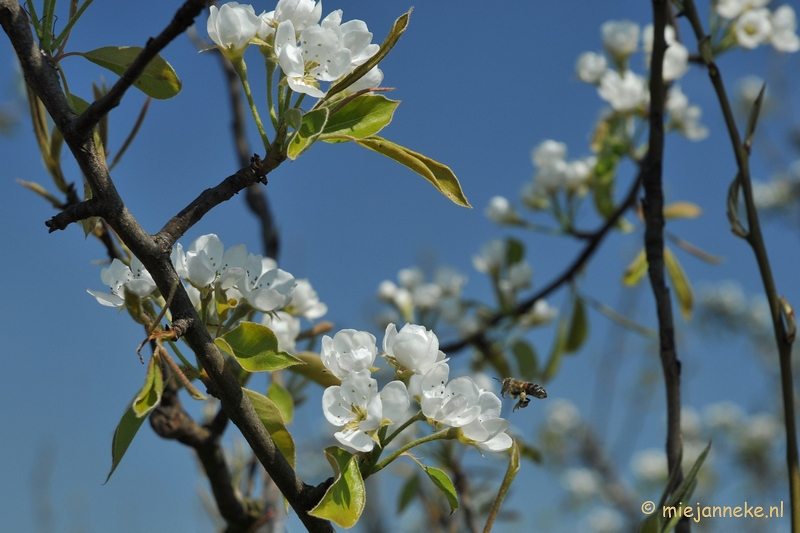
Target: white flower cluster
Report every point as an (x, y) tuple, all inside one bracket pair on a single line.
[(309, 51), (232, 276), (626, 91), (414, 296), (753, 24), (360, 410), (555, 174)]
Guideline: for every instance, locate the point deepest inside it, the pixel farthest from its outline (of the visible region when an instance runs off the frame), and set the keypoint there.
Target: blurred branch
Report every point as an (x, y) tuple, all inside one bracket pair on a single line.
[(154, 253), (755, 239), (653, 210), (170, 421), (594, 239), (256, 197)]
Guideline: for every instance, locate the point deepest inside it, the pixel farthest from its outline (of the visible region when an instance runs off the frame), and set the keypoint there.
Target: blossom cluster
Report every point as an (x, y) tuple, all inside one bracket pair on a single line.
[(307, 49), (555, 174), (360, 410), (232, 277), (414, 297), (753, 24), (627, 91)]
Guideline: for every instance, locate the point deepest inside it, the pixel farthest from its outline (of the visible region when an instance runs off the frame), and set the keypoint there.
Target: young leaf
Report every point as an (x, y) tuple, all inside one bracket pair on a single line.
[(311, 127), (554, 362), (282, 399), (361, 117), (438, 174), (255, 347), (680, 282), (527, 363), (270, 416), (682, 210), (314, 370), (123, 436), (344, 500), (578, 327), (408, 492), (158, 79), (515, 251), (397, 30), (442, 482), (636, 270), (150, 395)]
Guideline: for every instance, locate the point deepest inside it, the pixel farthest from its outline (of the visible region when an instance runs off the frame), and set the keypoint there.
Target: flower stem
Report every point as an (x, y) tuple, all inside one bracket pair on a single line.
[(241, 70), (449, 433), (270, 74), (416, 418)]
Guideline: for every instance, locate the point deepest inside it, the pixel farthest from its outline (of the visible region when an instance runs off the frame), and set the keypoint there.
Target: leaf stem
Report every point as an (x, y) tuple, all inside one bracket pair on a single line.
[(448, 433)]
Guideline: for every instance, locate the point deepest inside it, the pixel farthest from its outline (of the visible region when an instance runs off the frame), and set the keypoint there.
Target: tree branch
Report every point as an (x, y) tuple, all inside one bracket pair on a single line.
[(43, 81), (653, 210)]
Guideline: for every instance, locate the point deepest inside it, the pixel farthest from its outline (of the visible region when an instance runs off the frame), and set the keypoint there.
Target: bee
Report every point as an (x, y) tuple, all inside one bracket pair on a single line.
[(522, 389)]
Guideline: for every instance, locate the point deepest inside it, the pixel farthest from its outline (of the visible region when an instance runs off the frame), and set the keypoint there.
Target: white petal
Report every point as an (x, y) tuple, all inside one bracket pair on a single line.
[(395, 400), (355, 439), (107, 299), (334, 407)]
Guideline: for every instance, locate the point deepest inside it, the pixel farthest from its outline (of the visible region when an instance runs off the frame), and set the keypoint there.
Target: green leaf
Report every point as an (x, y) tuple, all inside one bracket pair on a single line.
[(282, 399), (123, 436), (578, 327), (515, 251), (527, 362), (442, 482), (397, 30), (554, 362), (255, 347), (270, 416), (311, 127), (78, 104), (682, 210), (684, 491), (144, 402), (408, 492), (150, 395), (680, 282), (636, 270), (438, 174), (158, 80), (314, 370), (361, 117), (344, 500)]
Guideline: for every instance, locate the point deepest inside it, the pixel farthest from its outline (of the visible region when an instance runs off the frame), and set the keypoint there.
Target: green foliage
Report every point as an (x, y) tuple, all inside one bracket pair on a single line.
[(680, 282), (578, 330), (311, 127), (282, 399), (145, 401), (361, 117), (158, 80), (345, 499), (438, 174), (527, 362), (442, 482), (255, 347), (273, 421)]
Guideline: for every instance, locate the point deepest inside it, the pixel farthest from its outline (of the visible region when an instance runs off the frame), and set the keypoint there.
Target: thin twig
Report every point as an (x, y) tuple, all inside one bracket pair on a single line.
[(756, 240)]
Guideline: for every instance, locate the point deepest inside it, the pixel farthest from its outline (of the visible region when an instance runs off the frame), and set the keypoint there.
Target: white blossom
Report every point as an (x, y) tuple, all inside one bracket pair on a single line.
[(413, 348), (650, 465), (358, 408), (620, 38), (625, 92), (500, 211), (348, 351), (591, 67), (492, 256), (753, 28), (285, 327), (676, 56), (730, 9), (232, 26), (305, 301), (784, 27), (121, 278)]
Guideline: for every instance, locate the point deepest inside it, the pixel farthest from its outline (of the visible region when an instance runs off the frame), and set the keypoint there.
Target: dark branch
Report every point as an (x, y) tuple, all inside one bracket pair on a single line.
[(170, 421), (653, 210), (594, 241), (182, 20), (74, 213), (210, 198)]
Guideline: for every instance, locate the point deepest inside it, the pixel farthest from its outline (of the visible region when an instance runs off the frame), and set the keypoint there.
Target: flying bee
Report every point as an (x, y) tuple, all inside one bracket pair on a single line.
[(522, 390)]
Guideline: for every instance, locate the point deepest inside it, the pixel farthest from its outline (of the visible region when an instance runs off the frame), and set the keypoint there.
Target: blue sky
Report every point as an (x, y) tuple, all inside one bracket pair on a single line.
[(480, 85)]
